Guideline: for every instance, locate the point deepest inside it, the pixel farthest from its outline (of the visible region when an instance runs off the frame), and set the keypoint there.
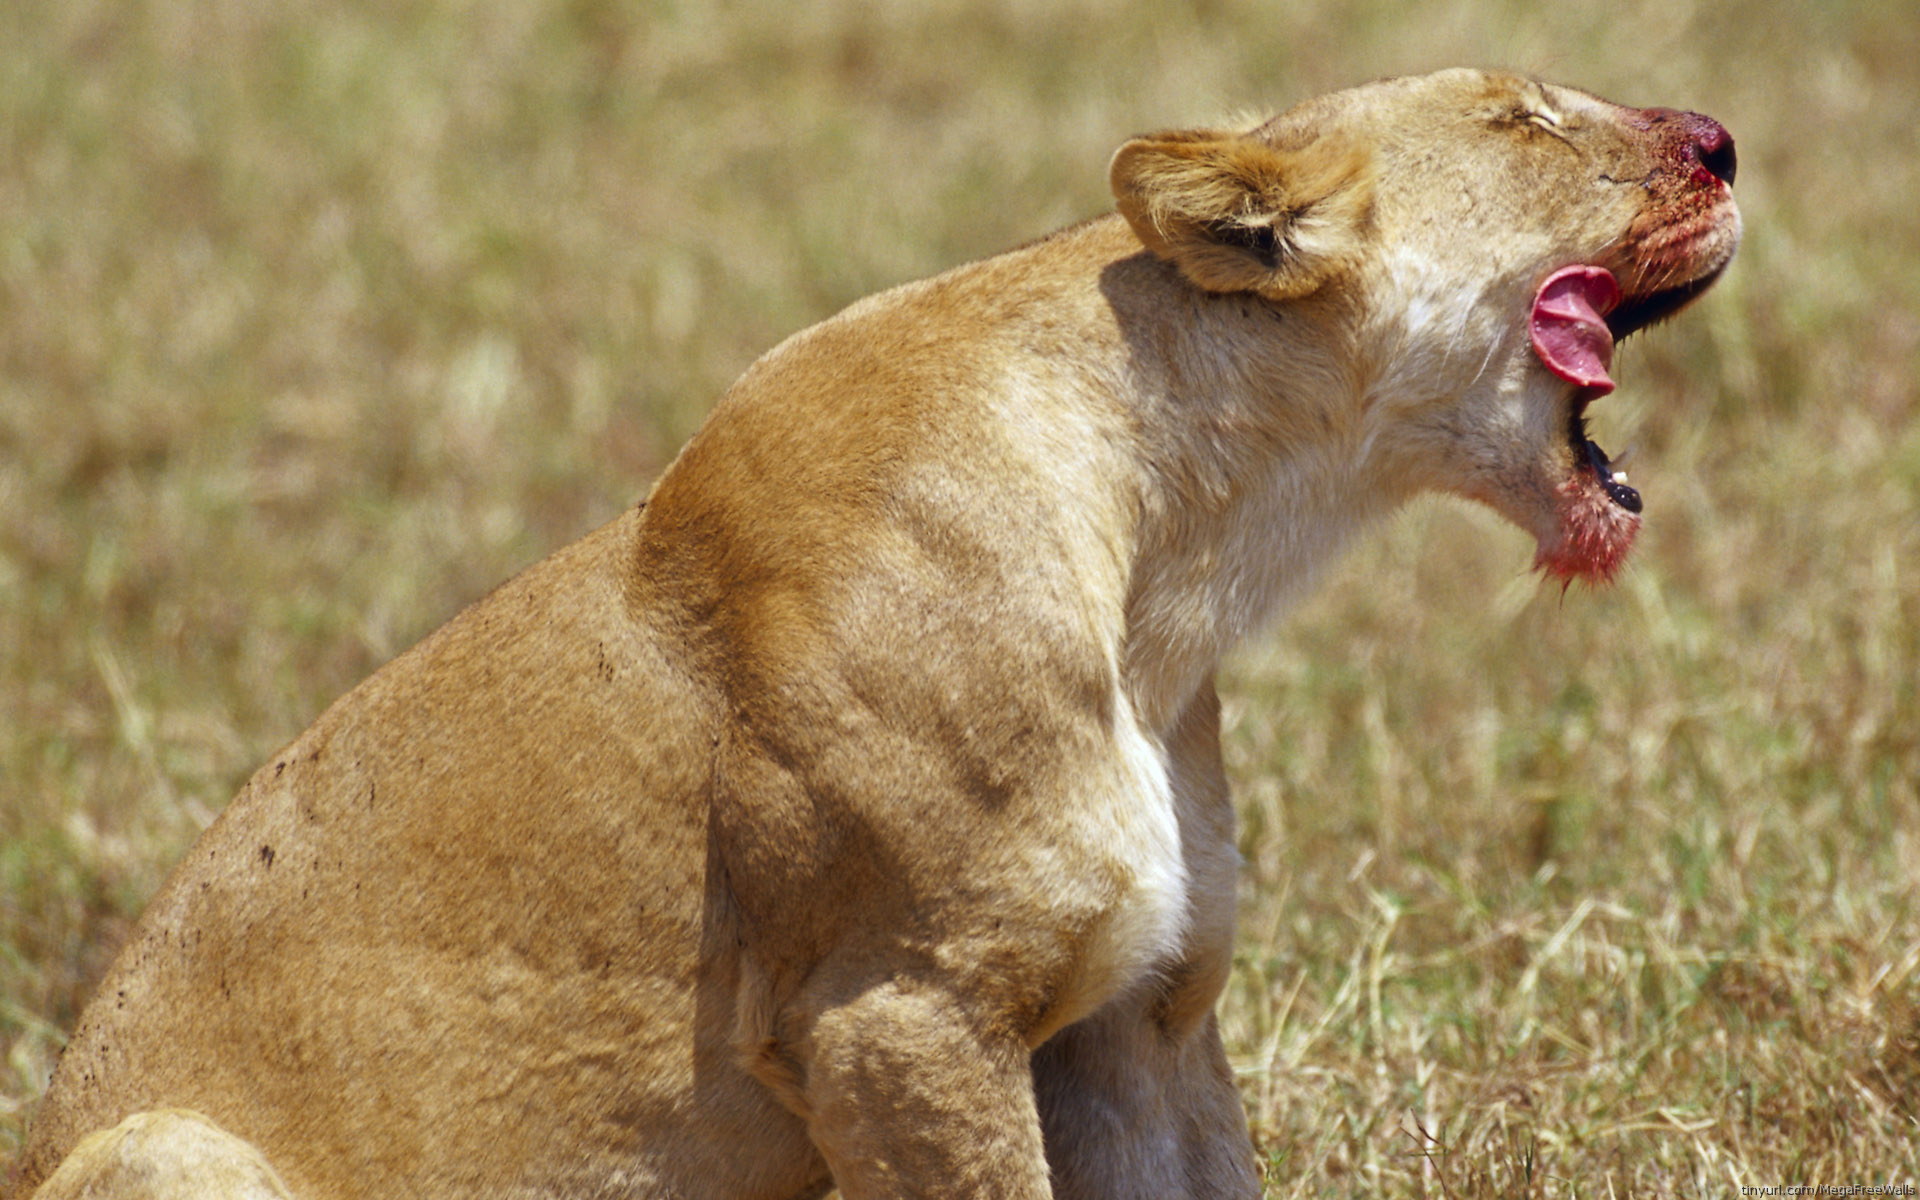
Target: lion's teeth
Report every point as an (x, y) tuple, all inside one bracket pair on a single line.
[(1619, 476)]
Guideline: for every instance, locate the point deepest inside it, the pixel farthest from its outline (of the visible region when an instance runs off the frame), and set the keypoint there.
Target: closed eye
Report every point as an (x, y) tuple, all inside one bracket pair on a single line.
[(1545, 118), (1534, 109)]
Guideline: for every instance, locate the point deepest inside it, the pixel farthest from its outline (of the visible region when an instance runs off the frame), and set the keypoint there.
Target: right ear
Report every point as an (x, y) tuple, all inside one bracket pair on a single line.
[(1236, 214)]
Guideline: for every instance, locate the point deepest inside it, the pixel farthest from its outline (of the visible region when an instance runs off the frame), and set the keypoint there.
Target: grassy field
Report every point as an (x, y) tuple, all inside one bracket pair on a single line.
[(318, 319)]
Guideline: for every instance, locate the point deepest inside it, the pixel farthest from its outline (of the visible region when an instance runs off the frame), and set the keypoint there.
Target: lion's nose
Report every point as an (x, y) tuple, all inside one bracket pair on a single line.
[(1700, 142), (1713, 147)]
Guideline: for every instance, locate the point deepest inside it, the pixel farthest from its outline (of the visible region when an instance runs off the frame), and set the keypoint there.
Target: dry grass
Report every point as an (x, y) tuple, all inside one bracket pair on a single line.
[(316, 320)]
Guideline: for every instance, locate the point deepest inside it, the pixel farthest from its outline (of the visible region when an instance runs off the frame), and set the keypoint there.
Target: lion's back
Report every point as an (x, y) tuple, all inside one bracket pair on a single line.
[(468, 903)]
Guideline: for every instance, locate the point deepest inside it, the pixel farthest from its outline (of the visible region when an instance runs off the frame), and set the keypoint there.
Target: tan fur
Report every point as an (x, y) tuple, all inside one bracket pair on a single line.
[(851, 812), (172, 1154)]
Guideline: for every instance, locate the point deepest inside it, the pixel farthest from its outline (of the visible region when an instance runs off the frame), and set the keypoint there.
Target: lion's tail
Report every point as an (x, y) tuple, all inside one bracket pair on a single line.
[(169, 1154)]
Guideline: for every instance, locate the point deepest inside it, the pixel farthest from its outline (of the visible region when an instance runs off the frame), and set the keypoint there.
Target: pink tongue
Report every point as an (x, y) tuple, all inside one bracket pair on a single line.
[(1569, 327)]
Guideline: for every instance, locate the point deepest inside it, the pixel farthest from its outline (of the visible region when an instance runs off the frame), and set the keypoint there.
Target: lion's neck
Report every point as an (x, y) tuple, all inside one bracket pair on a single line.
[(1257, 470)]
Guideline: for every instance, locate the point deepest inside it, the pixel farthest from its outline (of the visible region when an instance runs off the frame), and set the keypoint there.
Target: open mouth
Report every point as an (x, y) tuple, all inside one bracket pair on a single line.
[(1579, 314)]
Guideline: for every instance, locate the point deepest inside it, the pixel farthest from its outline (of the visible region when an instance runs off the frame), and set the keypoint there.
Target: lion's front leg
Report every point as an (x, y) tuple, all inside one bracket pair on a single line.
[(1135, 1108), (1137, 1101), (906, 1096)]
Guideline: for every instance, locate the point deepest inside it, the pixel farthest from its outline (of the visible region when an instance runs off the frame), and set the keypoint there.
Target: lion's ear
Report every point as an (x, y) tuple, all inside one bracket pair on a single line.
[(1236, 214)]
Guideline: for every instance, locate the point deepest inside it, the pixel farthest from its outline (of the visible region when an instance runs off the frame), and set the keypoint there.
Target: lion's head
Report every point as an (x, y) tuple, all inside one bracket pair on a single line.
[(1487, 239)]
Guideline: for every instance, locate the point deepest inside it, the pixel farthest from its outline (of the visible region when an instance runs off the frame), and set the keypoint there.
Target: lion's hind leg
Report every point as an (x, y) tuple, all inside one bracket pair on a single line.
[(170, 1154)]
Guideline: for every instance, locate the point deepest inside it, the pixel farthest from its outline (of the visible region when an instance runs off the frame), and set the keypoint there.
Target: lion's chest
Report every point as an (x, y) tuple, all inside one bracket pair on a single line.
[(1128, 842)]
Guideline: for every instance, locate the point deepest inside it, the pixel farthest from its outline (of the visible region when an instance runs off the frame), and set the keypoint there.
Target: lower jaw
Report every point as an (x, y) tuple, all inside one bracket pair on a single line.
[(1594, 533)]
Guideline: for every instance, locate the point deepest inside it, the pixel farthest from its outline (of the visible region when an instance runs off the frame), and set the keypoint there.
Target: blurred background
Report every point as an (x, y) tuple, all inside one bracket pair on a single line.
[(319, 318)]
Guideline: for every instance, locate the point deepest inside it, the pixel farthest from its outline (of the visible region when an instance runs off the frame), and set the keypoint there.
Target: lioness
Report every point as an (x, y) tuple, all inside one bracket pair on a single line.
[(851, 812)]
